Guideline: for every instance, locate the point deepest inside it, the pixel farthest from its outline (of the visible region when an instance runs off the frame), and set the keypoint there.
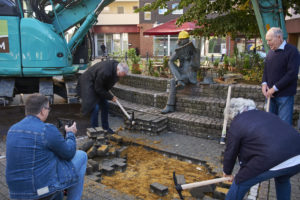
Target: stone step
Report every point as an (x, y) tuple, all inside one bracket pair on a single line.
[(145, 82), (184, 123), (205, 90), (203, 106)]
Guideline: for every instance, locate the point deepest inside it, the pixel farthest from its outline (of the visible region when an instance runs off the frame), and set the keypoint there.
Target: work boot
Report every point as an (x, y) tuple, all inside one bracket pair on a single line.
[(110, 131), (180, 85), (168, 109)]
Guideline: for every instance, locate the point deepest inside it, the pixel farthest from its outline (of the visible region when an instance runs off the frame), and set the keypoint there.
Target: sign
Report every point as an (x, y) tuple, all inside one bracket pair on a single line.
[(4, 45)]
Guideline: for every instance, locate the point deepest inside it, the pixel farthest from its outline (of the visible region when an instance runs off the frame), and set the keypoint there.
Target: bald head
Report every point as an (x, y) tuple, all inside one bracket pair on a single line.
[(274, 38)]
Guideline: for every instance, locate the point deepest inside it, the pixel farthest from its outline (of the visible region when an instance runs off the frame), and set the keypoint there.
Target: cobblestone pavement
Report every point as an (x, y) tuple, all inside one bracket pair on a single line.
[(190, 147)]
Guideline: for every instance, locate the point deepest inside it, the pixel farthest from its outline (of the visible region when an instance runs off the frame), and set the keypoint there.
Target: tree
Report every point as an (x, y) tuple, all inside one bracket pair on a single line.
[(220, 17)]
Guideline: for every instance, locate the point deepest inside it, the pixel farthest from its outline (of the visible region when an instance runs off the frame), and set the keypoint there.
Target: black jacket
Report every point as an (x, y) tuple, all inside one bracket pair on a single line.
[(95, 83), (261, 141)]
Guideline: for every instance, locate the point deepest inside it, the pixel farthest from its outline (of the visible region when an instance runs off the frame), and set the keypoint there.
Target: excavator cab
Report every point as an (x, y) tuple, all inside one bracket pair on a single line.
[(37, 51)]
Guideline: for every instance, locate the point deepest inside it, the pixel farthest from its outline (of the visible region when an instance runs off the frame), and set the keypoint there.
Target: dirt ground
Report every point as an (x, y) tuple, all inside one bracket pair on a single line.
[(145, 167)]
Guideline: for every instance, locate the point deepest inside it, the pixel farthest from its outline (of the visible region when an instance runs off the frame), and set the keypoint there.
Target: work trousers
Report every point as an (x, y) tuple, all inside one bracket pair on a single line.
[(282, 183), (283, 107), (103, 105)]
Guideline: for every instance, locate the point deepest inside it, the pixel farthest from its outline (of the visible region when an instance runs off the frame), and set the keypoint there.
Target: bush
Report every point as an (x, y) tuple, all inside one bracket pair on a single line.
[(135, 59)]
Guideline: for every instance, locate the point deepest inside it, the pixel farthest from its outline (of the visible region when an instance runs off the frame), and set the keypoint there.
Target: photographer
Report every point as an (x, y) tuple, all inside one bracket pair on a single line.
[(40, 161)]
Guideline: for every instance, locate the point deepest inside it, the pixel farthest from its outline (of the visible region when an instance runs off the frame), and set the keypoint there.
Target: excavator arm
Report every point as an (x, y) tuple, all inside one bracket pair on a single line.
[(269, 14)]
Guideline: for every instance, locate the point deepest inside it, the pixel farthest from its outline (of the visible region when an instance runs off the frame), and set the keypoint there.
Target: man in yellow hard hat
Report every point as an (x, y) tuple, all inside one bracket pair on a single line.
[(186, 72)]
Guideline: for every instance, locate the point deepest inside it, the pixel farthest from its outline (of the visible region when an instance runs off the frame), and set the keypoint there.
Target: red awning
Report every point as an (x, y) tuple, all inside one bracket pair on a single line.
[(170, 28)]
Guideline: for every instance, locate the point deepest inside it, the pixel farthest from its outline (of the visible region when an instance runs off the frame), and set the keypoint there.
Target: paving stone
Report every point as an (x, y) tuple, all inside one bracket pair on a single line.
[(180, 179), (220, 193), (91, 153), (199, 192), (106, 170), (120, 166), (86, 145), (159, 189), (94, 164), (116, 138), (102, 150), (91, 133), (89, 169)]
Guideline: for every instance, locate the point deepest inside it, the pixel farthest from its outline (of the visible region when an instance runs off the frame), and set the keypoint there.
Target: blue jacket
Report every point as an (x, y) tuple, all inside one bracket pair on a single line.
[(261, 141), (38, 159)]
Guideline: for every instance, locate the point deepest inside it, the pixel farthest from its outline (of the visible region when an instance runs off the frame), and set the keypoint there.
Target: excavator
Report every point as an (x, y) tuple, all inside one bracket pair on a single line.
[(269, 14), (35, 55)]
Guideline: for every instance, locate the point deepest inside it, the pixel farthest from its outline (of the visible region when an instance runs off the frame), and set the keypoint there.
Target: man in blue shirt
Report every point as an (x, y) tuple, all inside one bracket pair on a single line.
[(280, 75), (40, 162)]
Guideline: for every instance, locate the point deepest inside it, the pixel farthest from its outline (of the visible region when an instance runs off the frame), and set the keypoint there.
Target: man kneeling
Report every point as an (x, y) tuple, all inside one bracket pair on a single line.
[(266, 147), (40, 162)]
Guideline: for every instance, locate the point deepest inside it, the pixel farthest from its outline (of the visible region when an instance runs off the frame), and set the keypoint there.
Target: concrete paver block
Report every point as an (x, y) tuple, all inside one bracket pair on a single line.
[(91, 133), (159, 189)]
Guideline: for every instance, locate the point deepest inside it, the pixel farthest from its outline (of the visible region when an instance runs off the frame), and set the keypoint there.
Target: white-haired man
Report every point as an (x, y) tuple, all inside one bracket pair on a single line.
[(266, 147), (280, 75), (93, 88)]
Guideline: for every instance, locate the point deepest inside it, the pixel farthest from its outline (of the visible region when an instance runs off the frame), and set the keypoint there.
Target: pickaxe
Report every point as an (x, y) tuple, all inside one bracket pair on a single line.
[(179, 187)]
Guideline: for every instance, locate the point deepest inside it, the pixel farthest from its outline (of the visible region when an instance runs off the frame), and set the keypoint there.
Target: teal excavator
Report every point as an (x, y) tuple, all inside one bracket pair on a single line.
[(269, 13), (34, 49)]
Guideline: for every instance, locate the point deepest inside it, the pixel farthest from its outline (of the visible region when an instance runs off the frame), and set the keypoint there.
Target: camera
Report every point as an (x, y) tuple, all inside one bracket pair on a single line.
[(61, 123)]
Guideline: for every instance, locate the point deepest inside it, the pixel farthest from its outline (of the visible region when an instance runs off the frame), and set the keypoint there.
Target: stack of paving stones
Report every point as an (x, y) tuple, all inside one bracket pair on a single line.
[(199, 108), (103, 157), (146, 123)]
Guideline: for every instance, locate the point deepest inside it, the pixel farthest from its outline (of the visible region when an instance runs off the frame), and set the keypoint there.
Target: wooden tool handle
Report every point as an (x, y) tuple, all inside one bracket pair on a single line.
[(203, 183), (268, 104), (124, 111), (122, 108), (226, 115)]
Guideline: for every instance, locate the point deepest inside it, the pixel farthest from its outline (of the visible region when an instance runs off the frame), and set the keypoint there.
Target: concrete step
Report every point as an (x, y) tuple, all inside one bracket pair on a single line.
[(145, 82), (204, 90), (197, 105), (184, 123)]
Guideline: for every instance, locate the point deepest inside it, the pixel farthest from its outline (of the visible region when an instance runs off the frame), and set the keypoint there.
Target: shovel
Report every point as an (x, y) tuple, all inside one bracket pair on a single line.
[(132, 122), (223, 136), (179, 187)]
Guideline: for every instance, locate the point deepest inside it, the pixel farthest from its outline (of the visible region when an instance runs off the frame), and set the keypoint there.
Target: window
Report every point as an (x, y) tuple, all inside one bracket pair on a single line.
[(177, 11), (121, 10), (162, 11), (147, 15), (214, 45), (162, 44)]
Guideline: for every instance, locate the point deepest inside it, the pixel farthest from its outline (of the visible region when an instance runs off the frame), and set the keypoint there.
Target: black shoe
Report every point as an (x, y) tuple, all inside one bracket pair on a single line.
[(110, 131)]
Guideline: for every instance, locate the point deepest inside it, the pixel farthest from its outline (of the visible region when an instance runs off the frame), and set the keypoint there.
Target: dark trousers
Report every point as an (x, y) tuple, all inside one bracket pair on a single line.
[(103, 105)]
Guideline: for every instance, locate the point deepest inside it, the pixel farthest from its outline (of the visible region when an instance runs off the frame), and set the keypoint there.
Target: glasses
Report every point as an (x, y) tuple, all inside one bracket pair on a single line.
[(48, 108)]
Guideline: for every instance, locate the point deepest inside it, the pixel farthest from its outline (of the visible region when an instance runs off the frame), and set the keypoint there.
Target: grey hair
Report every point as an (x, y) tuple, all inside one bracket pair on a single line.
[(239, 105), (123, 67), (276, 31)]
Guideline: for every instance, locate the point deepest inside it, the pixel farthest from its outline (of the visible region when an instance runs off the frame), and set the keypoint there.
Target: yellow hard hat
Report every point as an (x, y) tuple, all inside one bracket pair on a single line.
[(183, 35)]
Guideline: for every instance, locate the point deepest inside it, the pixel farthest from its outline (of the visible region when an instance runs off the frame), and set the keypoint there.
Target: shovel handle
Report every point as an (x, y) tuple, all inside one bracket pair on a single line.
[(223, 136), (122, 108), (203, 183), (268, 104), (124, 111)]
